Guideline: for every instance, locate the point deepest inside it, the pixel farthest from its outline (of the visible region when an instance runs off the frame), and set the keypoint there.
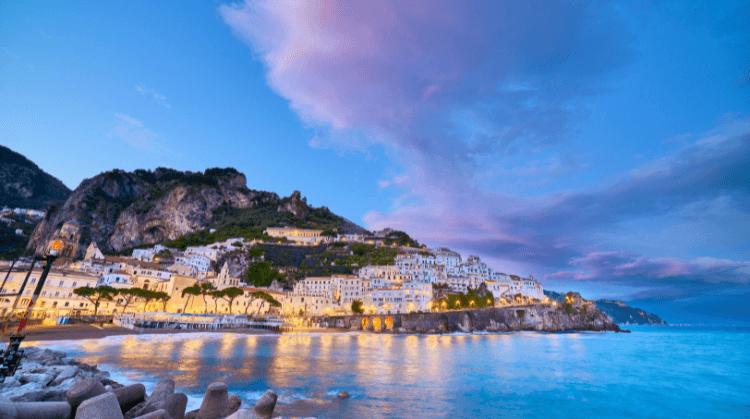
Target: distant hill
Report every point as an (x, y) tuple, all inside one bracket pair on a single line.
[(121, 210), (620, 312), (24, 185)]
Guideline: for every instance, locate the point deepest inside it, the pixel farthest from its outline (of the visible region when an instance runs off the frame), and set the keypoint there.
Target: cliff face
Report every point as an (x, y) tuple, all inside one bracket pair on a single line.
[(24, 185), (538, 318), (119, 209), (624, 314), (619, 311)]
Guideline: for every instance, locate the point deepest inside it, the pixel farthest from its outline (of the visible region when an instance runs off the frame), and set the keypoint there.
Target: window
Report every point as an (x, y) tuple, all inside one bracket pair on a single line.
[(62, 283), (74, 284), (66, 304), (57, 294)]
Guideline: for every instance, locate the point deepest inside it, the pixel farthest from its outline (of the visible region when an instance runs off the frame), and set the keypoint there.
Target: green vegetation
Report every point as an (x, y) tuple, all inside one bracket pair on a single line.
[(262, 275), (260, 295), (568, 308), (96, 295), (472, 299), (229, 295), (400, 239), (357, 307)]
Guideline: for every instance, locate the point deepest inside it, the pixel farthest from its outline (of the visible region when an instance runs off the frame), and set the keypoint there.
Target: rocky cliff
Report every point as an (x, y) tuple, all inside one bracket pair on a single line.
[(120, 210), (623, 314), (582, 316), (24, 185), (619, 311)]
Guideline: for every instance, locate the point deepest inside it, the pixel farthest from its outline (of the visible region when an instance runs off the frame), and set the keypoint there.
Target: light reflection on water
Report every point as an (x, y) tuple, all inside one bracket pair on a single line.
[(649, 373)]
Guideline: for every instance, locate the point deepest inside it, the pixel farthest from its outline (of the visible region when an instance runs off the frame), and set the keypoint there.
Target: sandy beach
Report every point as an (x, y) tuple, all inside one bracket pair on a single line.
[(82, 331)]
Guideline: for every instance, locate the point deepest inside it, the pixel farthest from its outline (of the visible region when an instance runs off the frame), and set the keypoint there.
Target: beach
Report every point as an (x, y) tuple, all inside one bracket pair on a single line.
[(83, 331)]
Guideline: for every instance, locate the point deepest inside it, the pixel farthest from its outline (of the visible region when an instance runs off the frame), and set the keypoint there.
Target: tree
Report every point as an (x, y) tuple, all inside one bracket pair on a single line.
[(357, 307), (229, 295), (329, 233), (261, 274), (96, 295), (207, 289), (260, 295), (149, 296), (192, 292), (164, 297), (128, 296)]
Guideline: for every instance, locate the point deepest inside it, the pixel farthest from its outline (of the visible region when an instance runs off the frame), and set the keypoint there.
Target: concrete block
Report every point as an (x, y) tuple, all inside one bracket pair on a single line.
[(175, 405), (215, 402), (104, 406), (157, 414), (264, 407), (43, 410), (84, 390), (129, 396)]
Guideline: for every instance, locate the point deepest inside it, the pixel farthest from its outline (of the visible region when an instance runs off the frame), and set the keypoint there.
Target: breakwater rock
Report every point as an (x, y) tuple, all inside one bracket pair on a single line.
[(579, 316), (48, 385)]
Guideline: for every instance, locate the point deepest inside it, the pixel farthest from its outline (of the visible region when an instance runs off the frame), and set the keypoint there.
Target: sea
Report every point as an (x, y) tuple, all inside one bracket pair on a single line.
[(654, 372)]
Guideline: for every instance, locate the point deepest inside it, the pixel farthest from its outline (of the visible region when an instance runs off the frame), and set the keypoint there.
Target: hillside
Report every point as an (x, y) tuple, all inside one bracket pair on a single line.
[(620, 312), (121, 210), (24, 185)]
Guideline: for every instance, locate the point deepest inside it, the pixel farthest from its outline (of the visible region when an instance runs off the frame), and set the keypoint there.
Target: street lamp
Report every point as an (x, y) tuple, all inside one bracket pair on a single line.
[(12, 356)]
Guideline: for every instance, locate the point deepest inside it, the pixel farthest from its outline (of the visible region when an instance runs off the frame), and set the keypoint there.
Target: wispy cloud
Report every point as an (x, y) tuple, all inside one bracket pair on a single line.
[(452, 92), (133, 132), (157, 97)]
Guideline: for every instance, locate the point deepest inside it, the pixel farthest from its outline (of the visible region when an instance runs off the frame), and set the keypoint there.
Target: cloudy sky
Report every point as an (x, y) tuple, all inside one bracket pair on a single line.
[(600, 146)]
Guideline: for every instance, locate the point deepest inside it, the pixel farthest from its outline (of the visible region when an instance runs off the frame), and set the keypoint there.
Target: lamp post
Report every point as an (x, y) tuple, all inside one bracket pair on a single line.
[(12, 356)]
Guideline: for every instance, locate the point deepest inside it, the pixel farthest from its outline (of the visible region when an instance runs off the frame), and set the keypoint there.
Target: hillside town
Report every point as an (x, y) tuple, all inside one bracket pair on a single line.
[(418, 280)]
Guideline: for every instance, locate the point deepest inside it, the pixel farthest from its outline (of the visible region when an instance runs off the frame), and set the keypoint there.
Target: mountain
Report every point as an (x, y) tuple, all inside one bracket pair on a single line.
[(620, 312), (24, 185), (120, 210)]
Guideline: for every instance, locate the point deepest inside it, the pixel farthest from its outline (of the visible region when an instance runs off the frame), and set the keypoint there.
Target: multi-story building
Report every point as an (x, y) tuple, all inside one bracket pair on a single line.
[(56, 298), (299, 235)]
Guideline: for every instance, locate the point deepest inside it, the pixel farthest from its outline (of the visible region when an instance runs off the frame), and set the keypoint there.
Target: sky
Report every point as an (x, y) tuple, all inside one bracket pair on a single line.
[(603, 147)]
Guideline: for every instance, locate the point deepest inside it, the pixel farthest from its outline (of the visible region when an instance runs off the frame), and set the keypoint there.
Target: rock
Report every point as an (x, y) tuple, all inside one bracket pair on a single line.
[(10, 382), (84, 390), (42, 410), (264, 407), (43, 379), (103, 406), (30, 392), (129, 396), (191, 414), (233, 404), (343, 395), (67, 372), (157, 414), (215, 402), (67, 384)]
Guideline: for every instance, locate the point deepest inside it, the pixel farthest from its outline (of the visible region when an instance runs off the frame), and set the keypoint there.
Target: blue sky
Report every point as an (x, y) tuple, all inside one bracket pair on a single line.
[(602, 146)]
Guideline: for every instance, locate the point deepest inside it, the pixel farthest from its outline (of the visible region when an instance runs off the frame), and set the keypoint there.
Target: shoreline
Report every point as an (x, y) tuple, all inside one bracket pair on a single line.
[(83, 332)]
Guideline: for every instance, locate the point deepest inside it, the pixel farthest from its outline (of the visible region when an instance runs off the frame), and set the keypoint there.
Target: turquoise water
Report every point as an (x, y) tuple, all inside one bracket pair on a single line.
[(654, 372)]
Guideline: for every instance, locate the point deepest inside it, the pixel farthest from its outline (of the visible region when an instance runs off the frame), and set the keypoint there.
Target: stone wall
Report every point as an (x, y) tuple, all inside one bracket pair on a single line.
[(540, 318)]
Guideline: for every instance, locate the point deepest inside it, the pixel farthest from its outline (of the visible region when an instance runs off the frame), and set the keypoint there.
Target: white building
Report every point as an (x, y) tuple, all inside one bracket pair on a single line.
[(192, 265), (208, 252), (299, 235), (409, 297), (446, 257)]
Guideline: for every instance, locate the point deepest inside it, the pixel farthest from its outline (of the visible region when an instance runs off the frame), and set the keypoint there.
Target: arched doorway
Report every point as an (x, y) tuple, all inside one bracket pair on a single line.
[(376, 324), (389, 323), (365, 322)]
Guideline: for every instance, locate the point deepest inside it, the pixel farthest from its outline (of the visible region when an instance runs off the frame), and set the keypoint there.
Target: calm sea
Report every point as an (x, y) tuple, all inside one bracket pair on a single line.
[(654, 372)]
